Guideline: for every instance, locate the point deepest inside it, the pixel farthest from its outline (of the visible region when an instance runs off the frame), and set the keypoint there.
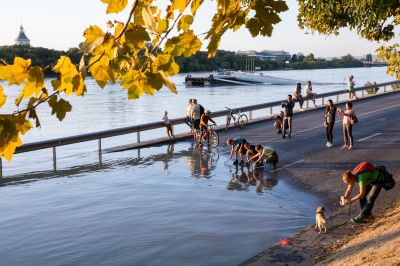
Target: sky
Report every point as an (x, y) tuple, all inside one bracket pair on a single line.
[(59, 24)]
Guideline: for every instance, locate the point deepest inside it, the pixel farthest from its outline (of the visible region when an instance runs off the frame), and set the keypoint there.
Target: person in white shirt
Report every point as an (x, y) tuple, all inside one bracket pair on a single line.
[(309, 93), (188, 114), (168, 125), (297, 95), (347, 125)]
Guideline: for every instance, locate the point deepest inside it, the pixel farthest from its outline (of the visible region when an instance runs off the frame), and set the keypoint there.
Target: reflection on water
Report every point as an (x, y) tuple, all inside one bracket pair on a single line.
[(202, 161), (166, 205), (244, 178)]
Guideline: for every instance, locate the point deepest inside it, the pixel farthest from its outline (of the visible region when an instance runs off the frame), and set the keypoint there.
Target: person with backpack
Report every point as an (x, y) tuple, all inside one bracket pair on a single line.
[(348, 122), (330, 115), (371, 179)]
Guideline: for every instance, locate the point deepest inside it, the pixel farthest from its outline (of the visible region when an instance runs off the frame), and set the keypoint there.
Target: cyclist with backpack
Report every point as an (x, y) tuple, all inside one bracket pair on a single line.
[(371, 179)]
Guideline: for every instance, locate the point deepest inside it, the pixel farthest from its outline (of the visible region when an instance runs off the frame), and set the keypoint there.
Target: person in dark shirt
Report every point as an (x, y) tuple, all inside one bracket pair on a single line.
[(288, 114), (330, 114)]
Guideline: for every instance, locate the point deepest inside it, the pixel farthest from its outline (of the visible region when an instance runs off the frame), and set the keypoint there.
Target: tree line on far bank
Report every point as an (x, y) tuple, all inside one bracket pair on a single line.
[(199, 62)]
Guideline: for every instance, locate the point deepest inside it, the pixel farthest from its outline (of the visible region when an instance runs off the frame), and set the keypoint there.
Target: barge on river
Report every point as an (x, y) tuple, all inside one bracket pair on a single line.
[(228, 77)]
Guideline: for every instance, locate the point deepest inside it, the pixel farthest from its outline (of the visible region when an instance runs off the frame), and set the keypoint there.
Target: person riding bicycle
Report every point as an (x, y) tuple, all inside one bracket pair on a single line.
[(204, 119), (237, 148)]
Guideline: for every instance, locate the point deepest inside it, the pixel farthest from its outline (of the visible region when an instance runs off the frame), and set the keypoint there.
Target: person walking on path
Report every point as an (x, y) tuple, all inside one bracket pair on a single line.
[(347, 125), (309, 93), (350, 88), (330, 115), (287, 117), (297, 95), (370, 180), (168, 125), (188, 113)]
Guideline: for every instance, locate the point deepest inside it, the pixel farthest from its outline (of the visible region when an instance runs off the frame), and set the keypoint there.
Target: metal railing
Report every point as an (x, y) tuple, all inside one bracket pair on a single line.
[(54, 143)]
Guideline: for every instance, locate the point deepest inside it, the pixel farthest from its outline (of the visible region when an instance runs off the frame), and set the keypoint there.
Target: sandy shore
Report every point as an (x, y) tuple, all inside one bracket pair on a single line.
[(374, 242)]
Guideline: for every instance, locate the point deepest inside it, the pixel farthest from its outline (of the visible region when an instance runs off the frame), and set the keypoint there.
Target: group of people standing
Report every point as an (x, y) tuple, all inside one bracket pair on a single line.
[(284, 121)]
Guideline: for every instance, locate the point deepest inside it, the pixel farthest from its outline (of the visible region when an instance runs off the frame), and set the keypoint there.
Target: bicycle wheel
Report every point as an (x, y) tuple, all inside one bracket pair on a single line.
[(242, 121), (213, 139)]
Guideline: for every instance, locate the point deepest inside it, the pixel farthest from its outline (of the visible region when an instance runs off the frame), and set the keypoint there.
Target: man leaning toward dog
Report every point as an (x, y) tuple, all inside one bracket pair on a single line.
[(370, 184)]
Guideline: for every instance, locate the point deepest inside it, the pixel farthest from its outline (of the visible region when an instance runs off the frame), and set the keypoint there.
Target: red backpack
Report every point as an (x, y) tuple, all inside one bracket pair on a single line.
[(362, 167)]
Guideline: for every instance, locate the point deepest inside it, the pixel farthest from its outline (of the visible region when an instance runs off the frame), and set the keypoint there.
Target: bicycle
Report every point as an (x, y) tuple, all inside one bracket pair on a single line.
[(211, 137), (240, 120)]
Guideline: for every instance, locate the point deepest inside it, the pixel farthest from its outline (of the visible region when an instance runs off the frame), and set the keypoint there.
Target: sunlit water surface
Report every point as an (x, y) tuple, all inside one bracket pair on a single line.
[(168, 205)]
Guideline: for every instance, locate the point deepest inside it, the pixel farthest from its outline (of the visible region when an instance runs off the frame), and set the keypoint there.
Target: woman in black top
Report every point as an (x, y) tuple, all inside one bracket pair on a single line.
[(330, 113)]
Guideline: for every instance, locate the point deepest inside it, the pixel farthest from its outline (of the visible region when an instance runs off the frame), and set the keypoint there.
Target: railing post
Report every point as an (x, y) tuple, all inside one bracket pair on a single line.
[(337, 98), (323, 100), (307, 104), (270, 111), (384, 88), (138, 137), (99, 144), (362, 93), (251, 115), (54, 159)]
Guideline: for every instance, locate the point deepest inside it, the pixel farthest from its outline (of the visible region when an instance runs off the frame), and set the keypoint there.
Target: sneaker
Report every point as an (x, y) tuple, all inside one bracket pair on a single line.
[(345, 147), (235, 162), (241, 162), (330, 145), (358, 219), (350, 147), (301, 109), (327, 144)]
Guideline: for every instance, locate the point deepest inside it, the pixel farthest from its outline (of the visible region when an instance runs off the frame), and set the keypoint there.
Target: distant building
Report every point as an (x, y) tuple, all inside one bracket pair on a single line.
[(22, 39), (268, 55)]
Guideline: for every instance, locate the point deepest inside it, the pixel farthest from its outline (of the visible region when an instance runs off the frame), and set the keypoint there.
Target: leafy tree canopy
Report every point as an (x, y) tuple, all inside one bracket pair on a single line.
[(374, 20), (139, 54)]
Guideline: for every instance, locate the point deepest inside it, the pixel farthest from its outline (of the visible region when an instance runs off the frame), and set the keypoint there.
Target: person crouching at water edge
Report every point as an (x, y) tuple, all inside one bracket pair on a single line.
[(266, 154), (370, 179), (237, 148), (250, 152)]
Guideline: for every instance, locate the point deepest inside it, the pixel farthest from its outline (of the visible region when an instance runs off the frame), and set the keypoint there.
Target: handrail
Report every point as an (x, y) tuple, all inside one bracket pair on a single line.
[(144, 127)]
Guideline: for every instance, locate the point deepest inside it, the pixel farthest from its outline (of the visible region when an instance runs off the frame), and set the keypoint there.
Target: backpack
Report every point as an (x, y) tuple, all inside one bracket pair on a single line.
[(201, 110), (362, 167), (388, 180), (354, 120)]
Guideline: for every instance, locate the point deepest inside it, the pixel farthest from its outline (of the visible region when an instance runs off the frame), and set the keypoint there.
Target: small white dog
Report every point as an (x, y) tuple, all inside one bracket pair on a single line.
[(320, 220)]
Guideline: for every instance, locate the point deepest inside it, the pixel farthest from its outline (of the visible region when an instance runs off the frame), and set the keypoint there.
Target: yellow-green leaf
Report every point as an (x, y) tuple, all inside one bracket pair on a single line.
[(195, 5), (115, 6), (59, 107), (3, 97), (185, 22), (179, 4), (34, 82)]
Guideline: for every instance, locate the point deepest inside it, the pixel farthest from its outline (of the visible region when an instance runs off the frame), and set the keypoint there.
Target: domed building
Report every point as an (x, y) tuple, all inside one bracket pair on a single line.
[(22, 39)]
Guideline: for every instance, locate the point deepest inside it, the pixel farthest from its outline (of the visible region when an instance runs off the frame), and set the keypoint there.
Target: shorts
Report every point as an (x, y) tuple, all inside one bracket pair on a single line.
[(196, 124), (203, 128)]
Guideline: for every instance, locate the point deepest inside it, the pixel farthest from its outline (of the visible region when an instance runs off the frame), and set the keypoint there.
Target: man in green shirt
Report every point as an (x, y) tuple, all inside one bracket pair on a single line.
[(370, 184)]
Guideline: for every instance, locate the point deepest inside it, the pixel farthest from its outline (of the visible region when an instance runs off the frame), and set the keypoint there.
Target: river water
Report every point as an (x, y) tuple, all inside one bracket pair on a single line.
[(167, 205)]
